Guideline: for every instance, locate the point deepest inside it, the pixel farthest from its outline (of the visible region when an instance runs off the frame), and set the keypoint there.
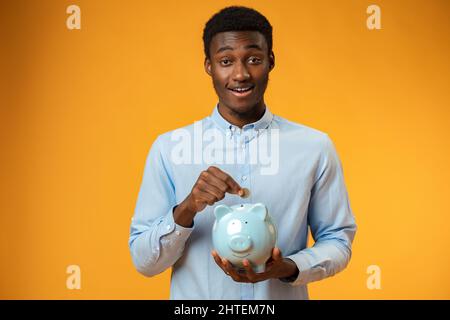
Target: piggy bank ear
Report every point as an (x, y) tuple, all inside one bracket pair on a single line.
[(260, 210), (221, 210)]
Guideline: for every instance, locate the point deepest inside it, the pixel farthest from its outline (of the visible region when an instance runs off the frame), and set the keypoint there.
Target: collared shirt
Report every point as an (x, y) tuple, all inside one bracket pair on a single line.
[(292, 169)]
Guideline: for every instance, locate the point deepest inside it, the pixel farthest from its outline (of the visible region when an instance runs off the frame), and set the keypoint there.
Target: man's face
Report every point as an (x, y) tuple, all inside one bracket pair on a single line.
[(239, 65)]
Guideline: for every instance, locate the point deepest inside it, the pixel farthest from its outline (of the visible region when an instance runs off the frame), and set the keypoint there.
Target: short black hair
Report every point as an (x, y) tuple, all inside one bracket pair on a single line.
[(236, 18)]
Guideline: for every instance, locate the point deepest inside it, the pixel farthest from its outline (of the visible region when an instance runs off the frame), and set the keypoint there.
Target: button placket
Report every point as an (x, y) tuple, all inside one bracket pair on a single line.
[(244, 179)]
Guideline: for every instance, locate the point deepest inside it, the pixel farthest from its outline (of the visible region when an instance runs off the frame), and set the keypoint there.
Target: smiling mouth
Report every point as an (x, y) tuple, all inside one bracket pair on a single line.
[(242, 91), (246, 255)]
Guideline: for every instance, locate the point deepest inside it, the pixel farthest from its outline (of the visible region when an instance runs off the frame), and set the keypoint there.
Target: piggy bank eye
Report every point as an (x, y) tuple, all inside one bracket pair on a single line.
[(234, 226), (245, 221)]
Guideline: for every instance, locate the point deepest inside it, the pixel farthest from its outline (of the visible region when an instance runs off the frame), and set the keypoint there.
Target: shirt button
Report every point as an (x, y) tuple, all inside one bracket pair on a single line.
[(244, 178), (177, 232), (168, 227)]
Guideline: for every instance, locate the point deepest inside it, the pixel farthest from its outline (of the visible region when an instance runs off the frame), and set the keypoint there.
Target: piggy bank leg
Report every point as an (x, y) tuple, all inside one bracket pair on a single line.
[(259, 268)]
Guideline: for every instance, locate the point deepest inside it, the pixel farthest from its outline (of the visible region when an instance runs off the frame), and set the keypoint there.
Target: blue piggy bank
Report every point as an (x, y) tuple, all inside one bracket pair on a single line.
[(244, 231)]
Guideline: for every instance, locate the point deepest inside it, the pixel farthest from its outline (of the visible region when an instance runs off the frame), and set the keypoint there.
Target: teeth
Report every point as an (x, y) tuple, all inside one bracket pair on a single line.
[(241, 89)]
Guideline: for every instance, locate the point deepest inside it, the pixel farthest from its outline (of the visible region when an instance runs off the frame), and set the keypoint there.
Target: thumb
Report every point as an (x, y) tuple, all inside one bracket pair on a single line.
[(276, 254)]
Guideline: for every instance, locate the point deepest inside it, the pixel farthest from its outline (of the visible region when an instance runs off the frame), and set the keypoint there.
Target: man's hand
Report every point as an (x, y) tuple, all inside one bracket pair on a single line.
[(276, 267), (209, 188)]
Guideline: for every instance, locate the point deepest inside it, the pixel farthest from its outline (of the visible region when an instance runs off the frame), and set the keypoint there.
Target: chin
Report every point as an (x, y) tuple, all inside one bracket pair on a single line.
[(242, 108)]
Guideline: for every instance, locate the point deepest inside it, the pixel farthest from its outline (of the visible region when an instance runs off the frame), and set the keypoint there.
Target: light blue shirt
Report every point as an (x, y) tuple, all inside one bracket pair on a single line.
[(296, 173)]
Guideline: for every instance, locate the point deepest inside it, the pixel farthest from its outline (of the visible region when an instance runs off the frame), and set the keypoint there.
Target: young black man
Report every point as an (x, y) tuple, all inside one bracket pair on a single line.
[(241, 147)]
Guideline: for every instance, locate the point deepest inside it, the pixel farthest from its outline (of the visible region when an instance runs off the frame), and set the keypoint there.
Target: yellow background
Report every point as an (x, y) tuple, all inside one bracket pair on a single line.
[(80, 109)]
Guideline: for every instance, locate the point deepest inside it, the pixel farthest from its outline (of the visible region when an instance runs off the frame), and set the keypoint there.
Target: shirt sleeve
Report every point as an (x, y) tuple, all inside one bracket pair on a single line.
[(156, 242), (331, 221)]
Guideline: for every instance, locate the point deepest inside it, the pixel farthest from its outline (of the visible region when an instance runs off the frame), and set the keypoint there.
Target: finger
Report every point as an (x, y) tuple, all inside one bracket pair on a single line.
[(215, 181), (250, 273), (230, 271), (218, 260), (233, 186), (220, 263), (275, 258), (208, 188), (216, 257), (206, 197), (276, 254)]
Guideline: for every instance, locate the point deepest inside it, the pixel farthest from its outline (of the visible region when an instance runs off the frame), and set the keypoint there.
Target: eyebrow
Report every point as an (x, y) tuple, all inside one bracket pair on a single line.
[(250, 46)]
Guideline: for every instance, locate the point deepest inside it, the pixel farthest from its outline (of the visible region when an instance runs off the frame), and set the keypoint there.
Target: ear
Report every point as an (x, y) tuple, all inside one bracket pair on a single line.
[(260, 210), (221, 210), (271, 61), (207, 66)]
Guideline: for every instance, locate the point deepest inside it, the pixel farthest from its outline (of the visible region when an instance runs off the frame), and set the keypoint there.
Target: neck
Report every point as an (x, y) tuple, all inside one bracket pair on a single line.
[(241, 119)]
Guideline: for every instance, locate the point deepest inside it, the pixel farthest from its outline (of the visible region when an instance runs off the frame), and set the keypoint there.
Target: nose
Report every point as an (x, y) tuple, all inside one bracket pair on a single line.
[(240, 72), (240, 243)]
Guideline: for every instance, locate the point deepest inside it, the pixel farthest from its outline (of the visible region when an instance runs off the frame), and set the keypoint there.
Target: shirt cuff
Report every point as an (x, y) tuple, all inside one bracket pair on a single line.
[(290, 278), (171, 231), (304, 268)]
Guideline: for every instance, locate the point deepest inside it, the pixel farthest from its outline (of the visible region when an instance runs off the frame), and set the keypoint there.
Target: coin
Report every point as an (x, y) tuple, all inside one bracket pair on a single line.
[(245, 193)]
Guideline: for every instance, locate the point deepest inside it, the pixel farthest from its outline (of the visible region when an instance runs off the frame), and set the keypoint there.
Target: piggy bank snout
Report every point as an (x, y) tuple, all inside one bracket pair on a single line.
[(240, 243)]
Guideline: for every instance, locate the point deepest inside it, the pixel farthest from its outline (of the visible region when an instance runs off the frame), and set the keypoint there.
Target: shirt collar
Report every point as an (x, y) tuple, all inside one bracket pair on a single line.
[(262, 123)]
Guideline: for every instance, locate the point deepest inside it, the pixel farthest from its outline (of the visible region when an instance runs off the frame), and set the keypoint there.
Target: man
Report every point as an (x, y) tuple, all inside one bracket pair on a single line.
[(301, 181)]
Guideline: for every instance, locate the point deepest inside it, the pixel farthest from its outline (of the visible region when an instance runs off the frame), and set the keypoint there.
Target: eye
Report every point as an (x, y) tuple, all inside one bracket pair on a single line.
[(225, 62), (254, 60), (234, 226), (245, 221)]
